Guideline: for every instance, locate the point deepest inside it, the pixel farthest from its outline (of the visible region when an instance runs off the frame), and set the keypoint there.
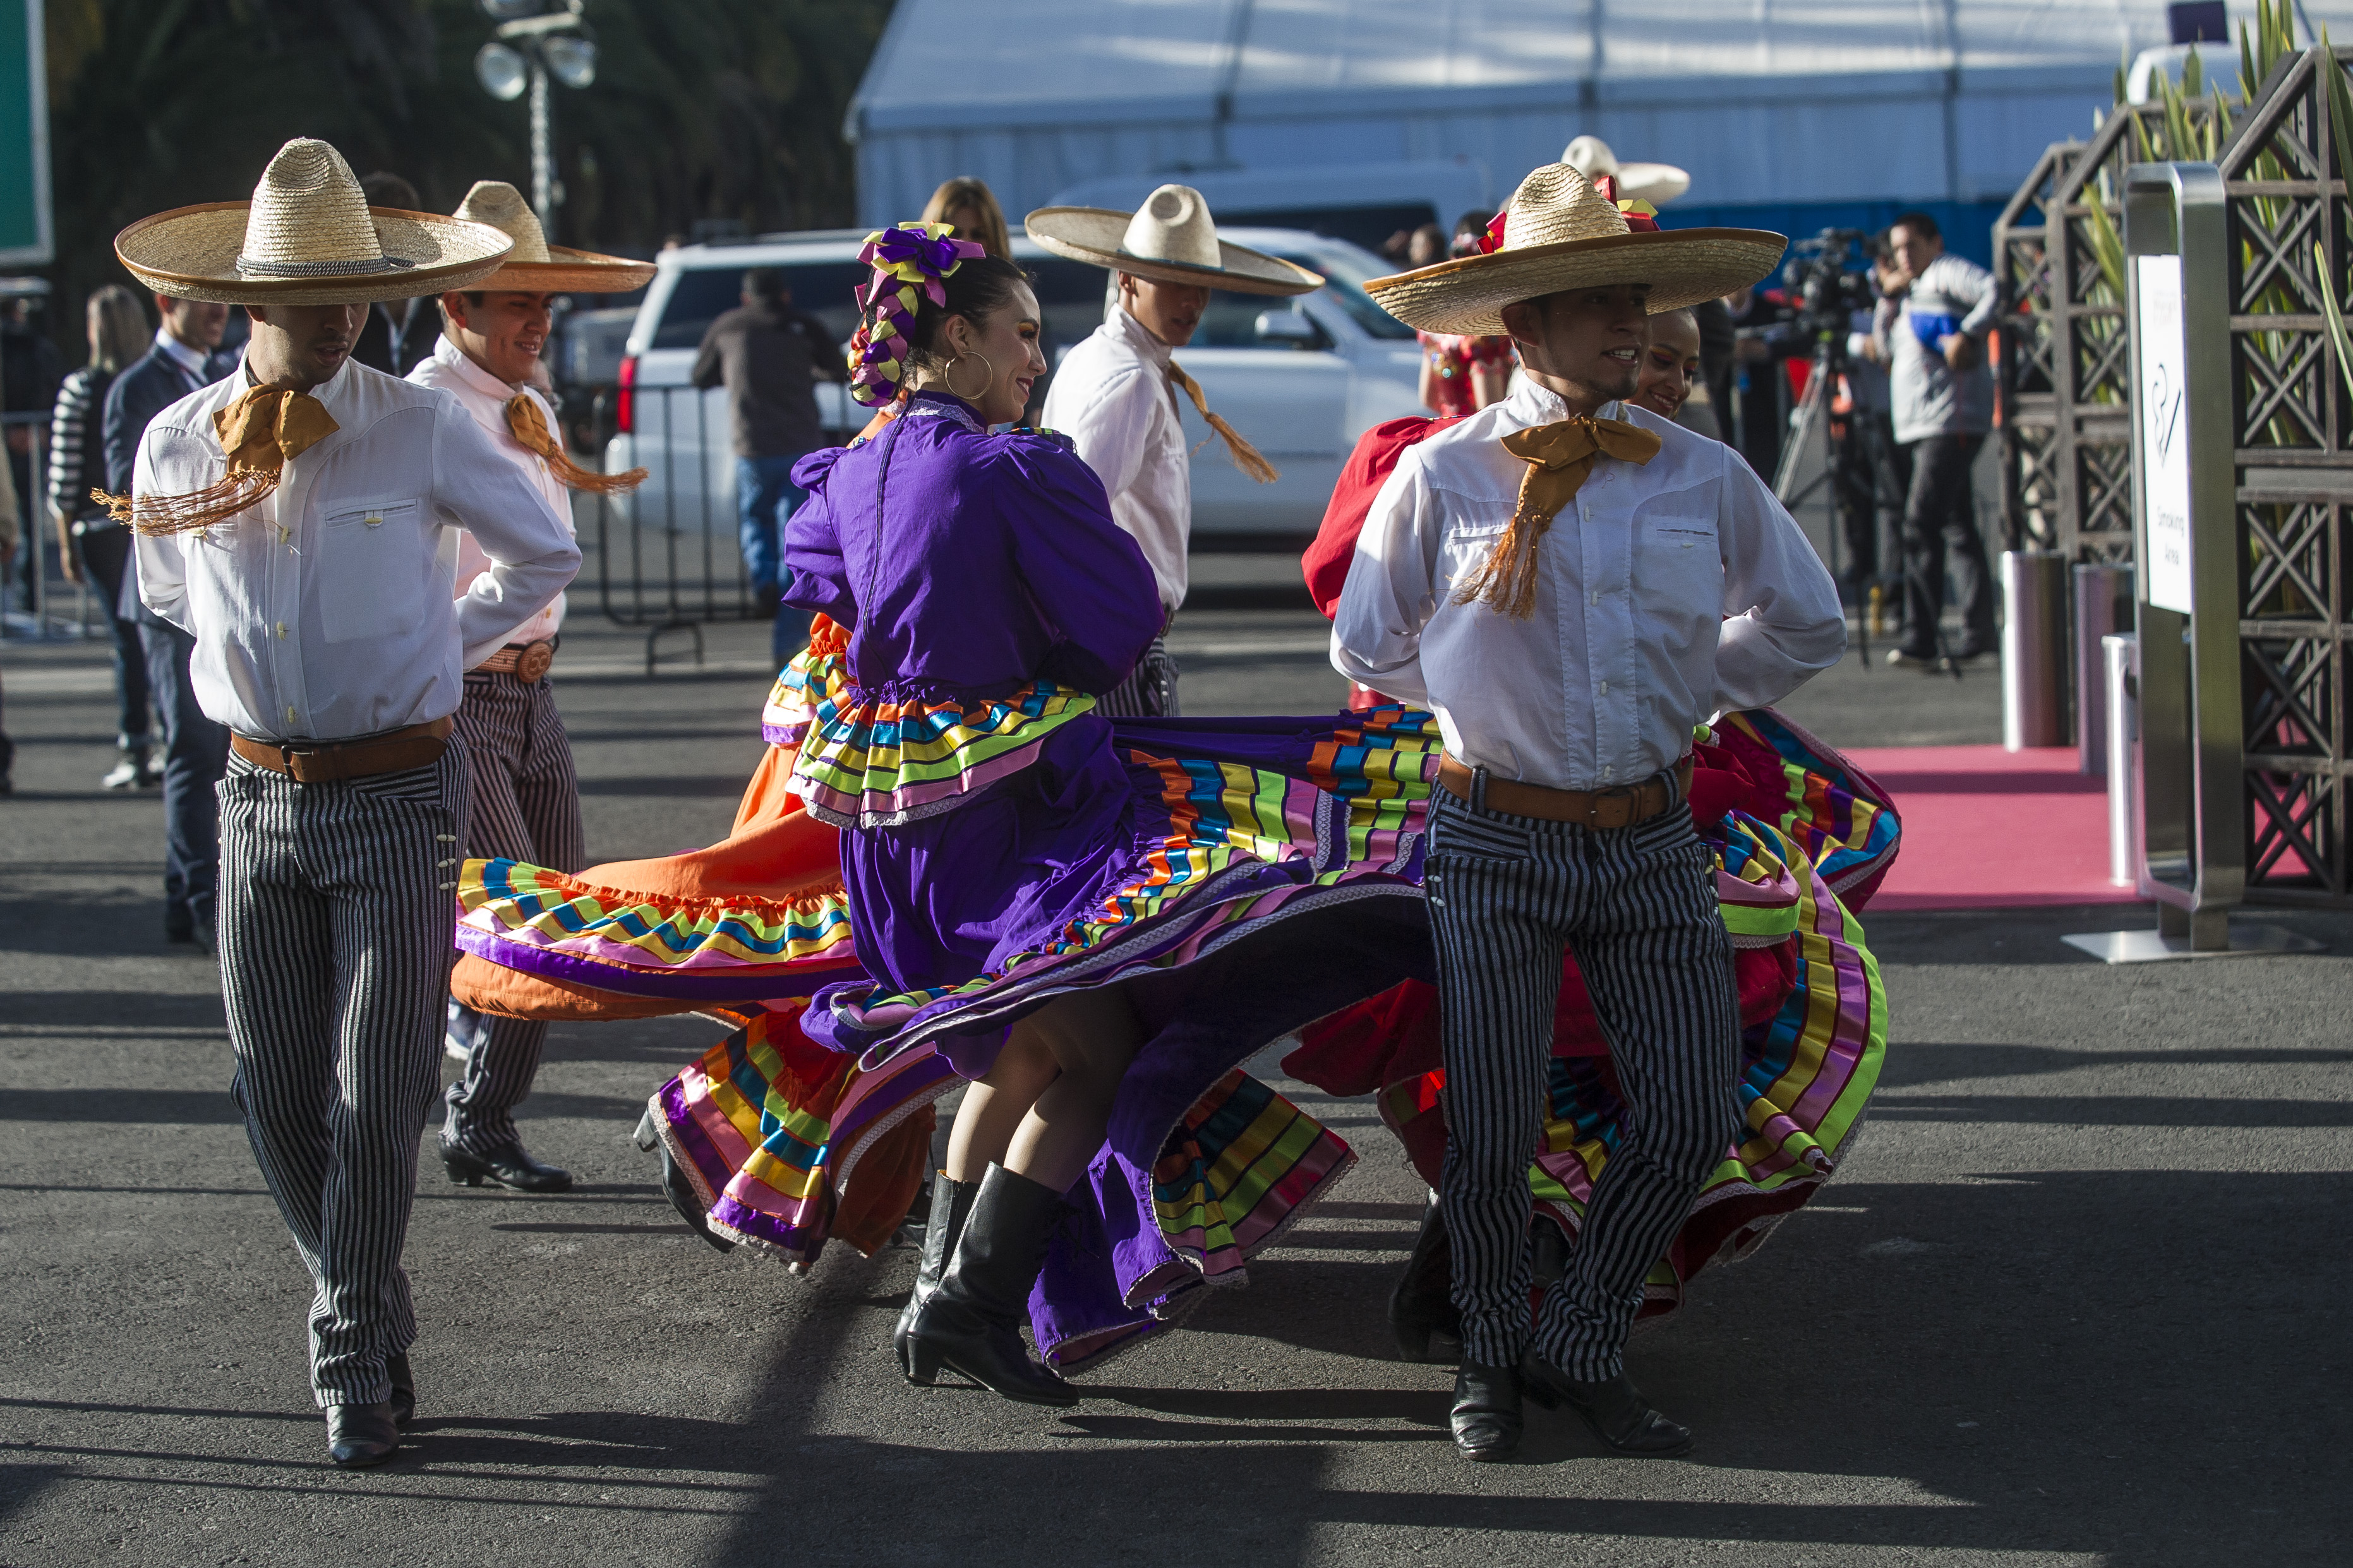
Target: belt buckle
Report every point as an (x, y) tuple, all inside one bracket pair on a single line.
[(1630, 794), (532, 662)]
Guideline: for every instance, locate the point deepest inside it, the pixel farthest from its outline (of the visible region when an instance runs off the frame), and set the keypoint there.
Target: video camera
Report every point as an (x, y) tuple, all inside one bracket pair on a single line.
[(1825, 292)]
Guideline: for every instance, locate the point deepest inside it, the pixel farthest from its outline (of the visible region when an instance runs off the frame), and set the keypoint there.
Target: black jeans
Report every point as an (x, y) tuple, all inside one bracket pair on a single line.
[(105, 552), (1940, 528)]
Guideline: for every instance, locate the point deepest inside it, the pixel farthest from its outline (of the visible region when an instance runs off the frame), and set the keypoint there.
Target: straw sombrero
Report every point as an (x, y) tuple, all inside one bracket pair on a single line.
[(1560, 233), (307, 238), (1657, 184), (1171, 238), (535, 267)]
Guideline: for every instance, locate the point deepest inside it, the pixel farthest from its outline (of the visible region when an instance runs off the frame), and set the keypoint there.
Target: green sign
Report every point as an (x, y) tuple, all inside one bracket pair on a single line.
[(27, 237)]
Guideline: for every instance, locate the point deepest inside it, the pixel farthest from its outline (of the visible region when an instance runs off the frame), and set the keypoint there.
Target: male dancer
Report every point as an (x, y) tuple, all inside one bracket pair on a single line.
[(526, 798), (1115, 393), (1572, 583), (291, 521)]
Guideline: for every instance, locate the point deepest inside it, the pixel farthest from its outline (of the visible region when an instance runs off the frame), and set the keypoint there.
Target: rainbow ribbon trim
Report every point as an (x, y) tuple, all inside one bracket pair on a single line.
[(878, 760)]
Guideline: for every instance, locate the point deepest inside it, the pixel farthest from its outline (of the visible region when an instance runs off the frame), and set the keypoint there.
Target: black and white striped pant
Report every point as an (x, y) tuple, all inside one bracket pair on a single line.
[(1148, 692), (335, 929), (526, 807), (1637, 908)]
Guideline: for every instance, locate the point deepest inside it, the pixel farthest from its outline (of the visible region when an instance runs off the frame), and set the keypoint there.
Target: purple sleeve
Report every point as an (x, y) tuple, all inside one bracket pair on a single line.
[(816, 578), (1085, 575)]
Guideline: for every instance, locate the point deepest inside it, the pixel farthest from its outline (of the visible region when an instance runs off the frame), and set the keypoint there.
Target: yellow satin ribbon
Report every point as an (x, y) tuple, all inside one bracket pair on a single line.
[(1246, 457), (529, 427), (1559, 458), (259, 433)]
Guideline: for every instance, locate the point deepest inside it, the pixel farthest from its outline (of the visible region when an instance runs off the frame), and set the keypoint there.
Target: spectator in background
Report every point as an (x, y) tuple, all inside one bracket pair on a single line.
[(1427, 246), (196, 749), (1759, 399), (770, 358), (91, 543), (1719, 342), (970, 207), (31, 370), (1874, 474), (397, 335), (1930, 330)]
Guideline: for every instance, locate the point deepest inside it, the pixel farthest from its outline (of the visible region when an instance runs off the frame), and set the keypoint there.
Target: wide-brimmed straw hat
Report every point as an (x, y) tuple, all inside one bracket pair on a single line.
[(535, 267), (1171, 238), (307, 238), (1560, 233), (1657, 184)]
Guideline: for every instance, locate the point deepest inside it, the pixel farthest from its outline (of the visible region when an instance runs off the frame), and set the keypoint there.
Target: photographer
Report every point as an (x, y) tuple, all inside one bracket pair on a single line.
[(1930, 332), (1873, 477)]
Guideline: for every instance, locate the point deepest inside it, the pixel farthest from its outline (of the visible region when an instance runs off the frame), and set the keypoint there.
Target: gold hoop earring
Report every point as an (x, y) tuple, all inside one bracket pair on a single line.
[(988, 371)]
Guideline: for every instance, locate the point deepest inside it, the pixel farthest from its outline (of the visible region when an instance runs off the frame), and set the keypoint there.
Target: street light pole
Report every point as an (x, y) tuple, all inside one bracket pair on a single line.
[(544, 192)]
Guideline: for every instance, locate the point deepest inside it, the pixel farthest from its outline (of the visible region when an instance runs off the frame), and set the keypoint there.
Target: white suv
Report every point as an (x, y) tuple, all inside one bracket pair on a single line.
[(1300, 378)]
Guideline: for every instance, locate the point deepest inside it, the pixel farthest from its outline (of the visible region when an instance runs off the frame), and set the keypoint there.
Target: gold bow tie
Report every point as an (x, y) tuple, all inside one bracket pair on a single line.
[(529, 427), (260, 433), (1559, 457)]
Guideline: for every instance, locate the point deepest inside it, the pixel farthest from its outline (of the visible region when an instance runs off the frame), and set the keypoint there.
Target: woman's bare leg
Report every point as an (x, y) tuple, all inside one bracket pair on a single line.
[(993, 1106), (1091, 1038)]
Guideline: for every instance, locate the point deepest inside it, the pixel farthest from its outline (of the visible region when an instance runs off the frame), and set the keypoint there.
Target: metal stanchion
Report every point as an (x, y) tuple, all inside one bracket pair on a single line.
[(2102, 607), (2033, 682), (2120, 693)]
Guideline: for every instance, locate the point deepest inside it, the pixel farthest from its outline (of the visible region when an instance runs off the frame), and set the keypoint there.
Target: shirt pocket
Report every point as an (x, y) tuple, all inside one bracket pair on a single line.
[(373, 562), (1677, 552), (1466, 546)]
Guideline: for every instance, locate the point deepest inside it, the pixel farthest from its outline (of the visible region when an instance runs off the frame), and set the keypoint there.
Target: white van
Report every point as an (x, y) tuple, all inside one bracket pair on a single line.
[(1300, 378)]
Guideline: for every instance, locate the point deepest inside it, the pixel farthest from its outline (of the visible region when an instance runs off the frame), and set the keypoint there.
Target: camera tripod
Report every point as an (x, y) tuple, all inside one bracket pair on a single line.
[(1814, 409)]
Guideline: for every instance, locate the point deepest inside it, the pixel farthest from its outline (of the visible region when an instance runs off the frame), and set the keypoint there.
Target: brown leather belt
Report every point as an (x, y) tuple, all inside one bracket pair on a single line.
[(1602, 808), (315, 761), (528, 660)]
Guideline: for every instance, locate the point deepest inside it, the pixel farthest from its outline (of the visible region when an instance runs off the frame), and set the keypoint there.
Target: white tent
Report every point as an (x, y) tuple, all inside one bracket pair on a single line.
[(1785, 104)]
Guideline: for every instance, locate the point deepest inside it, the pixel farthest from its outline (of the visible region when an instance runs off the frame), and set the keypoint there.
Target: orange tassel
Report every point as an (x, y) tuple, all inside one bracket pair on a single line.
[(529, 427)]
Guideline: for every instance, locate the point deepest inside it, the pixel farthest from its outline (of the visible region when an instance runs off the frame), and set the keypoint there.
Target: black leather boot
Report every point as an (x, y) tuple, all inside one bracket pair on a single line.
[(359, 1436), (688, 1202), (1486, 1415), (1614, 1408), (1422, 1313), (404, 1389), (951, 1206), (511, 1166), (971, 1321)]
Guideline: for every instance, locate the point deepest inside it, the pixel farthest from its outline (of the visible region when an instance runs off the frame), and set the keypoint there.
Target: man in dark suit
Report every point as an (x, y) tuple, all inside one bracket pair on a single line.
[(397, 335), (186, 358)]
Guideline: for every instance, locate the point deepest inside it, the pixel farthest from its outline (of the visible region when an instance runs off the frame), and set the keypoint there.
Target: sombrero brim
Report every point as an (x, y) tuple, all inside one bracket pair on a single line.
[(190, 253), (1091, 235), (569, 271), (1683, 267)]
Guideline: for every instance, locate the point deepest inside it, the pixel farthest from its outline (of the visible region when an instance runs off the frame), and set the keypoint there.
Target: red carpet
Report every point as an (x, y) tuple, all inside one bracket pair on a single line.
[(1989, 829)]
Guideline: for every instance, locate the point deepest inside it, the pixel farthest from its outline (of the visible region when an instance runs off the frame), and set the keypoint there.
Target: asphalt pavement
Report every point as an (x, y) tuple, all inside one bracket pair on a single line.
[(2076, 1295)]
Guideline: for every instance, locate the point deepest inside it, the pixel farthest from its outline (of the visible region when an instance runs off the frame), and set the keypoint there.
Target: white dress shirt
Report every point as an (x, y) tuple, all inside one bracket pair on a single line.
[(1113, 397), (326, 611), (1667, 591), (485, 397)]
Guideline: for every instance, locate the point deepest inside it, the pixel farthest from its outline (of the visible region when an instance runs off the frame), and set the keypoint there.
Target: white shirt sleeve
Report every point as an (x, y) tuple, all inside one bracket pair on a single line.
[(1390, 593), (163, 568), (531, 551), (1109, 428), (1783, 621)]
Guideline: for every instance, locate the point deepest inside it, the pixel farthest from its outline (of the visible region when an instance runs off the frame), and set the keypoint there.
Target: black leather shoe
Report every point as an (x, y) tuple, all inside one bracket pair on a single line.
[(1615, 1409), (404, 1389), (1422, 1314), (1486, 1414), (359, 1436), (682, 1198), (971, 1322), (511, 1166), (951, 1208)]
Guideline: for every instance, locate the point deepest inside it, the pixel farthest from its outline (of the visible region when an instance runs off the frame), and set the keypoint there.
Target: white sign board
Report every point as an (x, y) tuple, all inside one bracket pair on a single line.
[(2164, 432)]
